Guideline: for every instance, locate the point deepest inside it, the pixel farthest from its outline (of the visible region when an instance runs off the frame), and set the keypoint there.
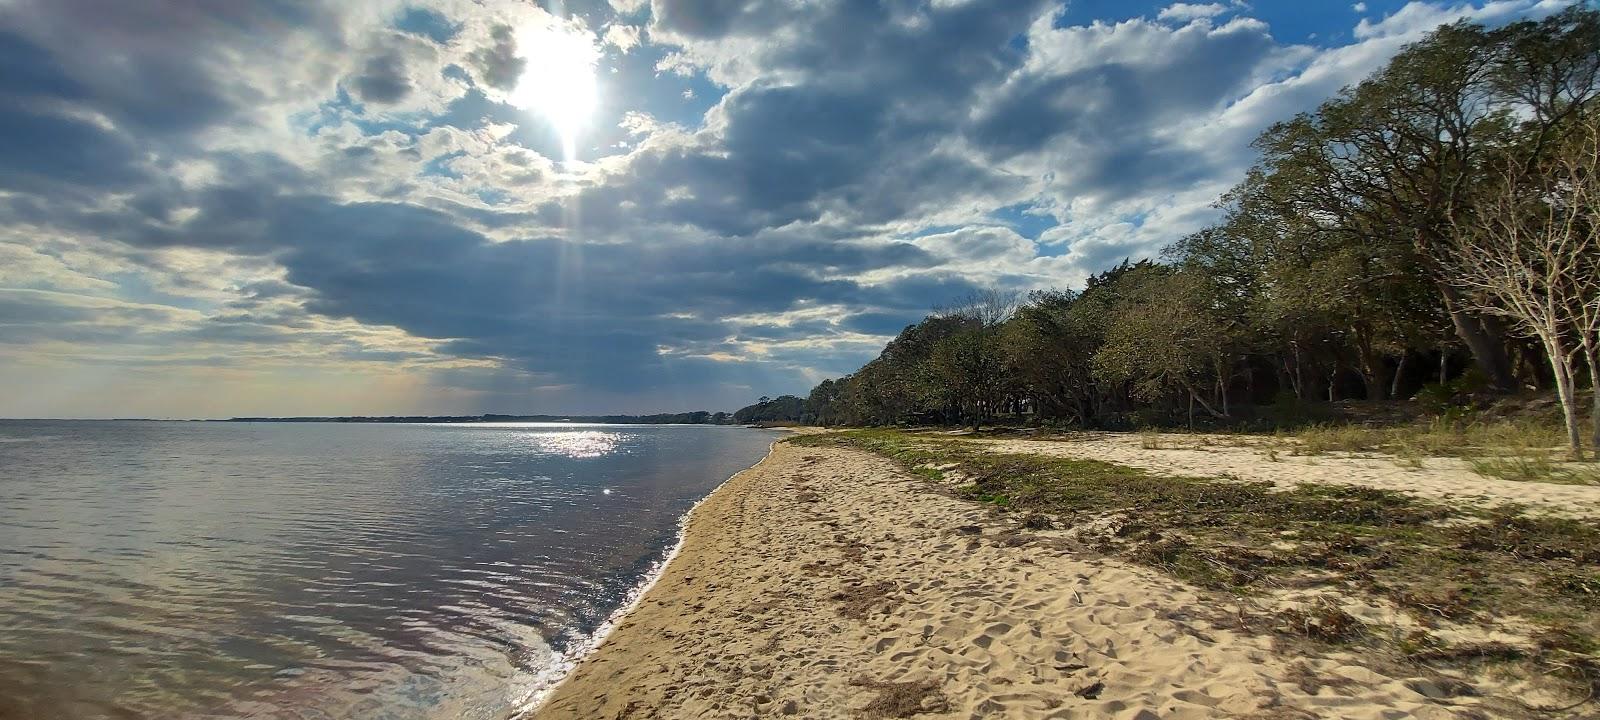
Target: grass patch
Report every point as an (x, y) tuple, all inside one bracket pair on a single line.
[(1450, 436), (1510, 449), (1324, 621), (903, 699), (1439, 563), (1534, 469)]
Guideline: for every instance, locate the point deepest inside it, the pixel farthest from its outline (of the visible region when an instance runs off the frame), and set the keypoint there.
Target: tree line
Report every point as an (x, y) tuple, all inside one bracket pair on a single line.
[(696, 417), (1433, 228)]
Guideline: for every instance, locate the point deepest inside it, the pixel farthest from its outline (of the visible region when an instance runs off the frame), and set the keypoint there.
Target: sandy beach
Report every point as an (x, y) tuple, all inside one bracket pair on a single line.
[(1435, 478), (829, 583)]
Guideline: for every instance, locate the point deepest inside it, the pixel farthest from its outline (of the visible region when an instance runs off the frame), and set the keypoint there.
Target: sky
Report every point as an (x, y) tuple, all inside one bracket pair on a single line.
[(304, 207)]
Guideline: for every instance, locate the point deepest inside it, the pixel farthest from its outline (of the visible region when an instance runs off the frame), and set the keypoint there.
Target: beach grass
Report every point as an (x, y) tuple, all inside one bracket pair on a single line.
[(1440, 567), (1520, 449), (1439, 436), (1535, 468)]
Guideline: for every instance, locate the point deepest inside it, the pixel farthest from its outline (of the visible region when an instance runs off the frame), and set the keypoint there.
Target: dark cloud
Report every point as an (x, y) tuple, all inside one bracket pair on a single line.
[(720, 18), (880, 323), (160, 68), (28, 317), (31, 73), (355, 171), (38, 152), (43, 149), (1116, 112), (586, 313), (383, 80), (870, 93), (497, 64)]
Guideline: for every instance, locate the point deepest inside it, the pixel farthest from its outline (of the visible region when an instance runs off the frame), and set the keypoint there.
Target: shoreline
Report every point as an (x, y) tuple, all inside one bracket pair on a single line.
[(574, 657), (827, 582)]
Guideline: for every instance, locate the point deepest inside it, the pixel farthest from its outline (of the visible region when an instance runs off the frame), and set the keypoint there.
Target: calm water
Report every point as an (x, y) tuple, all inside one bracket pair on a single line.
[(324, 570)]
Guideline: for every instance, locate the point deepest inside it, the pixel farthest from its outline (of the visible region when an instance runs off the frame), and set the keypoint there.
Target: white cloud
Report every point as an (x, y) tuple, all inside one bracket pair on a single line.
[(1417, 18), (345, 197), (1142, 103), (1186, 12), (622, 37)]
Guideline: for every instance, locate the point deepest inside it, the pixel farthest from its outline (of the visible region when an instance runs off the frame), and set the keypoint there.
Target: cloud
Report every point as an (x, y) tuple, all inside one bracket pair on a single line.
[(497, 64), (254, 195), (1186, 12), (383, 80), (622, 37)]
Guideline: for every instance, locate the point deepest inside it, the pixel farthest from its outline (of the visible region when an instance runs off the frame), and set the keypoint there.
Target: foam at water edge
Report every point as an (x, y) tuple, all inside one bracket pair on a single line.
[(548, 679)]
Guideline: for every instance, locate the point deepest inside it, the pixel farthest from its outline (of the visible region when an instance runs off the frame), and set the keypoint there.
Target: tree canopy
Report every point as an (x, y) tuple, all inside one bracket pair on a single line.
[(1334, 271)]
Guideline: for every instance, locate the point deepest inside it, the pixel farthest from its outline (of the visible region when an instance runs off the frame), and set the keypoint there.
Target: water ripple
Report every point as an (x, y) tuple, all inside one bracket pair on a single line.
[(324, 571)]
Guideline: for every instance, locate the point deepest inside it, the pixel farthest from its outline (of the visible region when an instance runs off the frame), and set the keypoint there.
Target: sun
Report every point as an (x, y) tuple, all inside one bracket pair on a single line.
[(558, 78)]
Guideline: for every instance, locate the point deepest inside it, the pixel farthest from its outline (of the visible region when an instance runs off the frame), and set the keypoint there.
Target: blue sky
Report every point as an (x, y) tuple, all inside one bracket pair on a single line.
[(464, 206)]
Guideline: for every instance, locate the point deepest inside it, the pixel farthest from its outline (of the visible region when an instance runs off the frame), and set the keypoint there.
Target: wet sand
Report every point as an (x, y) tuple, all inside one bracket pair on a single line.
[(828, 583)]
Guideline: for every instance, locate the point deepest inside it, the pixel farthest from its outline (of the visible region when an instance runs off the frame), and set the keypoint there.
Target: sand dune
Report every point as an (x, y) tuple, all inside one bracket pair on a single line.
[(1439, 478), (827, 583)]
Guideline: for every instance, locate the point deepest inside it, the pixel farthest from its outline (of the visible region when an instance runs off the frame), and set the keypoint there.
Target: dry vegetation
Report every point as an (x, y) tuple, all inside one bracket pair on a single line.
[(1506, 448), (902, 699), (1468, 591)]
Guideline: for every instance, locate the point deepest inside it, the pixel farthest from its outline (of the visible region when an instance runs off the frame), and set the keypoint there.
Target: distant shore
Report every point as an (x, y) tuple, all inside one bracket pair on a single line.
[(829, 582), (691, 418)]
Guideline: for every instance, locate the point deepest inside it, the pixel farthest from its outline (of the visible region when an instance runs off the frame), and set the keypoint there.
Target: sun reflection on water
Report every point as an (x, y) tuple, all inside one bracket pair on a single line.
[(576, 444)]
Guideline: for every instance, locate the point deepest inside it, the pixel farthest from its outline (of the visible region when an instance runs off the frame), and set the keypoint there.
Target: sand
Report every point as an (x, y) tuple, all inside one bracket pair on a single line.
[(827, 583), (1216, 455)]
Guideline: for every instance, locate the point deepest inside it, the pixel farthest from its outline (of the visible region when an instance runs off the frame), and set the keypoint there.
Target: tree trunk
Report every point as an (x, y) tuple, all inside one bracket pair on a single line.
[(1372, 367), (1377, 384), (1399, 372), (1591, 357), (1528, 365), (1483, 337), (1194, 397), (1561, 365), (1569, 412), (1299, 380)]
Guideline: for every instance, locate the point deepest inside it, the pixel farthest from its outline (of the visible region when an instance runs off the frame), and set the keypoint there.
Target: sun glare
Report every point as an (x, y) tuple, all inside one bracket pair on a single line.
[(559, 79)]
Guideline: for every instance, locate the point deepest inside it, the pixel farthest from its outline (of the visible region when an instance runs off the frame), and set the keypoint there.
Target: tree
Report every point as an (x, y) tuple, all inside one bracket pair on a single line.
[(823, 404), (1168, 337), (1050, 355), (1583, 173), (1340, 257), (1351, 298), (786, 408), (970, 364), (1397, 157), (901, 383), (1389, 161), (1532, 255)]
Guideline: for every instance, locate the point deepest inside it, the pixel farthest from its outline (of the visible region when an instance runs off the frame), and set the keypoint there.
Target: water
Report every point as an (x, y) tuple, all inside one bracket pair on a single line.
[(160, 570)]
